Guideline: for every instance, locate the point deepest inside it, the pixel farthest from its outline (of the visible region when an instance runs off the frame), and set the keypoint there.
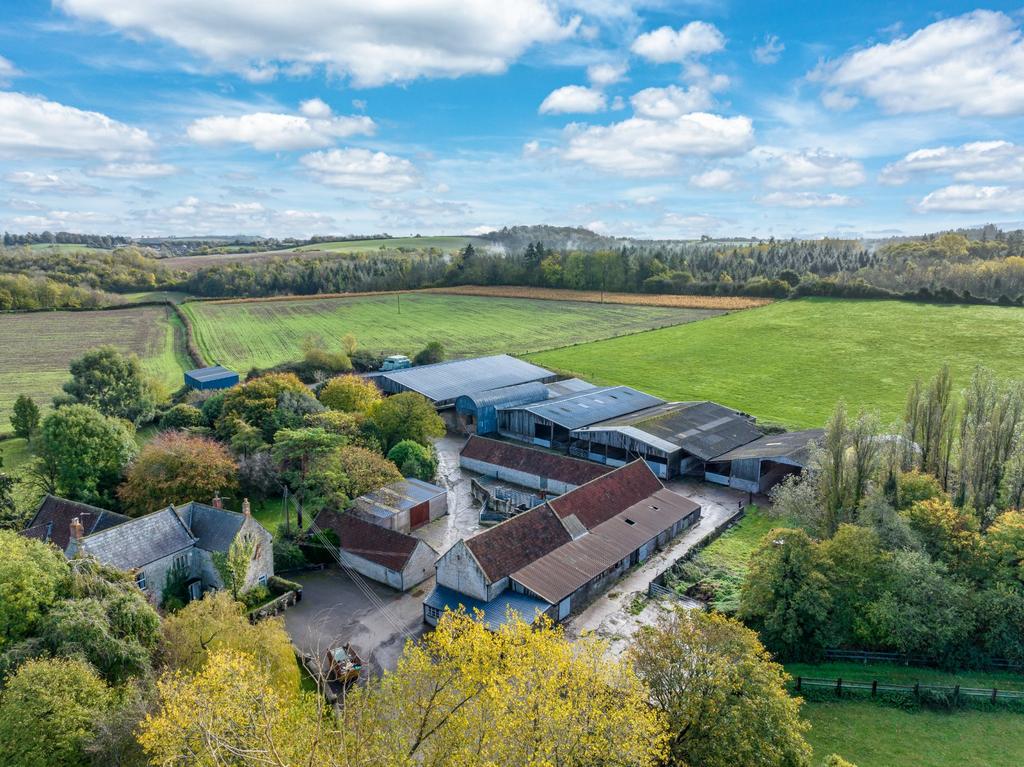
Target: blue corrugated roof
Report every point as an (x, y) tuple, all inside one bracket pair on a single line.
[(574, 411), (495, 612), (533, 391), (211, 373)]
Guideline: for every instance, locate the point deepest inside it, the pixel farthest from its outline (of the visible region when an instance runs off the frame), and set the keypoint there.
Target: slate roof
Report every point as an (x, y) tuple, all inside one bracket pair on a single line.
[(532, 461), (139, 541), (792, 448), (495, 612), (360, 538), (600, 499), (561, 572), (52, 520), (445, 381), (704, 429), (579, 409), (399, 496), (510, 545), (214, 529)]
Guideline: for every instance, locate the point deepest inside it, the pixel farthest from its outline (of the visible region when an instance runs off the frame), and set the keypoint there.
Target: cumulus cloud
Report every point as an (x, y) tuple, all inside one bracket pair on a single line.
[(32, 125), (690, 226), (805, 200), (74, 220), (644, 147), (670, 102), (193, 215), (972, 64), (133, 170), (373, 43), (273, 132), (603, 75), (975, 161), (716, 178), (664, 45), (573, 99), (769, 51), (968, 198), (361, 169), (786, 169), (54, 183), (7, 70)]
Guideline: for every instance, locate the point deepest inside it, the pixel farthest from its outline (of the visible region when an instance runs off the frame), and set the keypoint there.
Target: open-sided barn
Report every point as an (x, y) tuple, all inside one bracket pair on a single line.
[(760, 465), (674, 438), (478, 412)]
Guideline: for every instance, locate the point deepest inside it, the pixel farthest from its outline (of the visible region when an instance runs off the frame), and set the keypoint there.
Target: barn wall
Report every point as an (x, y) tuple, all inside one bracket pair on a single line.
[(438, 506), (458, 570), (419, 567), (516, 477)]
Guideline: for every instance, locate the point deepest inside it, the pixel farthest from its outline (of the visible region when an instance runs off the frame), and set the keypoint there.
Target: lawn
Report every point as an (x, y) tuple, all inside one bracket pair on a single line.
[(447, 244), (871, 735), (791, 361), (39, 346), (247, 334)]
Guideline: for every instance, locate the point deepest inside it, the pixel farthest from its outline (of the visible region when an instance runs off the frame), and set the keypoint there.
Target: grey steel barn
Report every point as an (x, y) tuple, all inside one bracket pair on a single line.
[(760, 465)]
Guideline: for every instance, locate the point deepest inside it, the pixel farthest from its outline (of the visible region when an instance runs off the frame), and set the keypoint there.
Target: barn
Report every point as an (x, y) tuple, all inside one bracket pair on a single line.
[(760, 465), (527, 466), (549, 423), (386, 556), (216, 377), (674, 439), (444, 382), (478, 412), (402, 506)]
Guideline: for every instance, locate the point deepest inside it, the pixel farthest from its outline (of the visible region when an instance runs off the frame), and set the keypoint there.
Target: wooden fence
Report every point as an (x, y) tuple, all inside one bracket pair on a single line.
[(861, 688), (907, 659)]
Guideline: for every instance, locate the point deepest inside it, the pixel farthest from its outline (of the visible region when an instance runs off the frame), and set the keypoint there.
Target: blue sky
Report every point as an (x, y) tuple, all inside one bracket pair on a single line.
[(660, 119)]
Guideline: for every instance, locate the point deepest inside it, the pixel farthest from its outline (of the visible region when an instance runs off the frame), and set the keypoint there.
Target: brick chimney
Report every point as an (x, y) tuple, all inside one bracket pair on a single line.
[(77, 531), (245, 507), (218, 502)]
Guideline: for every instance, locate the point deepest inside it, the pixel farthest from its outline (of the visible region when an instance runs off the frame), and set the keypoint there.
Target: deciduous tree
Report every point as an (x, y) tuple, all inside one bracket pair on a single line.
[(32, 577), (350, 393), (414, 460), (406, 416), (25, 417), (112, 382)]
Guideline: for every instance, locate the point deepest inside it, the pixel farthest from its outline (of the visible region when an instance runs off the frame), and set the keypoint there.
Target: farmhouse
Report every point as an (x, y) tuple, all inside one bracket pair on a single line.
[(527, 466), (674, 438), (556, 557), (444, 382), (52, 520), (215, 377), (477, 413), (403, 506), (379, 553), (760, 465), (550, 422), (150, 547)]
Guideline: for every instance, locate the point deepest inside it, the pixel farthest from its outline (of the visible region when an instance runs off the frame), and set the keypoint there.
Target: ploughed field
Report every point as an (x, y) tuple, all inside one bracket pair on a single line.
[(791, 361), (39, 346), (258, 334)]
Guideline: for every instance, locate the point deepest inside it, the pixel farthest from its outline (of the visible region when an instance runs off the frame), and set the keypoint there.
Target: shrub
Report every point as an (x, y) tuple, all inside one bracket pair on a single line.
[(182, 417), (414, 460), (288, 555), (256, 596), (279, 585), (430, 354)]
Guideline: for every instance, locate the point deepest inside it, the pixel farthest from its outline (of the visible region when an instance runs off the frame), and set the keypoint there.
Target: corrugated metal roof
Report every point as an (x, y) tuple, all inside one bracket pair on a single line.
[(495, 612), (568, 386), (213, 373), (399, 496), (446, 381), (703, 429), (214, 529), (573, 411), (138, 542), (571, 566), (794, 447), (534, 391)]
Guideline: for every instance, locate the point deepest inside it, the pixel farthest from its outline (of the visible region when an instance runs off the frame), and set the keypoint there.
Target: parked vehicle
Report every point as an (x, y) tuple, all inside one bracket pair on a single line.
[(343, 665), (396, 362)]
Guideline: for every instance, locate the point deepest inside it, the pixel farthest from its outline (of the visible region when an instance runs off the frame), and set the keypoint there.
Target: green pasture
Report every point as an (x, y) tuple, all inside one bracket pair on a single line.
[(791, 361), (257, 334)]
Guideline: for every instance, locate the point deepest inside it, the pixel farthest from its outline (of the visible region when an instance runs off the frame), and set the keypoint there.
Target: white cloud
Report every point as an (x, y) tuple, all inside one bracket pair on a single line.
[(690, 226), (972, 64), (643, 147), (43, 182), (603, 75), (193, 215), (362, 169), (272, 132), (58, 220), (786, 169), (716, 178), (133, 170), (7, 70), (975, 161), (573, 99), (32, 125), (374, 43), (968, 198), (670, 102), (805, 200), (665, 44), (769, 51)]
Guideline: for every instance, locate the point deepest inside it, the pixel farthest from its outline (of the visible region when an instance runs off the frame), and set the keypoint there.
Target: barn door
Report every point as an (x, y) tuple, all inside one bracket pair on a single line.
[(419, 515), (563, 608)]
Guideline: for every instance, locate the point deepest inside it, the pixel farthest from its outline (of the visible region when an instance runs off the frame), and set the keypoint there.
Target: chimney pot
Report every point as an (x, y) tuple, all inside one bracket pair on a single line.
[(245, 507), (76, 529), (218, 502)]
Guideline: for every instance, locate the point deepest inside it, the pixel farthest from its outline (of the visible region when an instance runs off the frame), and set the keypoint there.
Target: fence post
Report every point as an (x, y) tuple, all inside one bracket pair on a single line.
[(839, 687), (994, 693), (874, 687), (917, 691), (799, 681), (956, 695)]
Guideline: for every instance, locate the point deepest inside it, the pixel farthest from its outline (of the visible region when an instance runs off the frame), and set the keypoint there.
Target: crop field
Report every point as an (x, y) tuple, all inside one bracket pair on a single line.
[(248, 334), (791, 361), (447, 244), (872, 735), (39, 346), (728, 303)]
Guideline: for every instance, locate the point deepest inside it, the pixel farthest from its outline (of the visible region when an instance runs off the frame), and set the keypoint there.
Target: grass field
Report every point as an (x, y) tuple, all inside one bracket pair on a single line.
[(871, 735), (446, 244), (249, 334), (39, 346), (729, 303), (790, 362)]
